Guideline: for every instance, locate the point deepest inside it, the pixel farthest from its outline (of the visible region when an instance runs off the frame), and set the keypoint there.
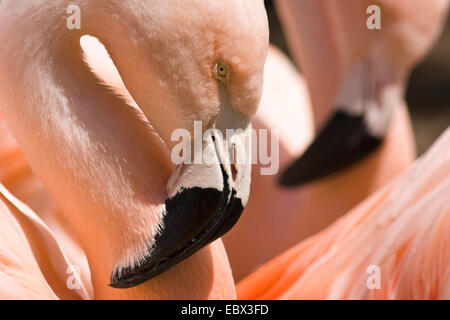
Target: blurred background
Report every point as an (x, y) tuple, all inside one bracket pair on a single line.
[(428, 94)]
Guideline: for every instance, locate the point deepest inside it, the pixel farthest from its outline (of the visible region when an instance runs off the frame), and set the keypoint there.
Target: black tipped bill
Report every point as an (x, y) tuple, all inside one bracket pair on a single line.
[(344, 140), (205, 201), (364, 107), (194, 218)]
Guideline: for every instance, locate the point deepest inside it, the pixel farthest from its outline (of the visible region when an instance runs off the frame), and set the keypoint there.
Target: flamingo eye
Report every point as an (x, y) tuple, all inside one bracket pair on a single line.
[(221, 71)]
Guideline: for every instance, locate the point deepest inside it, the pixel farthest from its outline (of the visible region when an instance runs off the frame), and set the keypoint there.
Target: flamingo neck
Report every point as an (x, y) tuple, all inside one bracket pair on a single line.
[(106, 168)]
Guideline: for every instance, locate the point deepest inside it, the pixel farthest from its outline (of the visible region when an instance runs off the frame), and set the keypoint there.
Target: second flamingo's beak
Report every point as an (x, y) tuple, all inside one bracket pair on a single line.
[(356, 129), (205, 200), (343, 141)]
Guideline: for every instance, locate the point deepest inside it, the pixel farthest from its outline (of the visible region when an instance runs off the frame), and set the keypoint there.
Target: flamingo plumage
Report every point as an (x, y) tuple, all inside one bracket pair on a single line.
[(401, 232), (295, 274), (107, 165), (357, 74), (332, 44)]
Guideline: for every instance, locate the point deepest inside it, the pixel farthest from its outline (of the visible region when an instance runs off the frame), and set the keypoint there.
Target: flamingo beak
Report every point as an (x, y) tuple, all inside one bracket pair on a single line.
[(355, 130), (342, 142), (205, 201)]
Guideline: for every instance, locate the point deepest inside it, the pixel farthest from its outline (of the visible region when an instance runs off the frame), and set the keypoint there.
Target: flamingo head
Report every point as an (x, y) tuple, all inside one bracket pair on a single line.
[(203, 74)]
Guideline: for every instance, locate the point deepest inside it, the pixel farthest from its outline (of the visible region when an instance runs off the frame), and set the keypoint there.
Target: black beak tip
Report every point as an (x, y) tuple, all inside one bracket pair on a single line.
[(211, 214), (117, 285), (292, 177), (342, 142), (132, 277)]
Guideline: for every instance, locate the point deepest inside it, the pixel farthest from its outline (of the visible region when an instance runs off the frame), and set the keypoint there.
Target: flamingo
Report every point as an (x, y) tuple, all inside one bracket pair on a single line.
[(358, 71), (328, 39), (146, 229), (265, 282), (14, 214)]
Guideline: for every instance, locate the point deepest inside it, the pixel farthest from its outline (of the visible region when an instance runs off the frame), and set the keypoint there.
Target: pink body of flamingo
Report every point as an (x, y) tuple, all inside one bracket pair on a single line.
[(332, 44)]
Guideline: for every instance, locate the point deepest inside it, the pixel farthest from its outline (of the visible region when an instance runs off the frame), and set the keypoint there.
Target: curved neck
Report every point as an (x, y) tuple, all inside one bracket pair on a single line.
[(106, 168)]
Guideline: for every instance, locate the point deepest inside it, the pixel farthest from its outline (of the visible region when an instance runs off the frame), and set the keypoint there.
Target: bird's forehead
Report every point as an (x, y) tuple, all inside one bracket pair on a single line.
[(198, 34), (227, 24), (242, 40)]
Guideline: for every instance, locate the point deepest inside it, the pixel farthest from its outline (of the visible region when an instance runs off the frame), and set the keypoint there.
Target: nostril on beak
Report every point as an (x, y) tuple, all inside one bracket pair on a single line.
[(233, 172), (233, 164)]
